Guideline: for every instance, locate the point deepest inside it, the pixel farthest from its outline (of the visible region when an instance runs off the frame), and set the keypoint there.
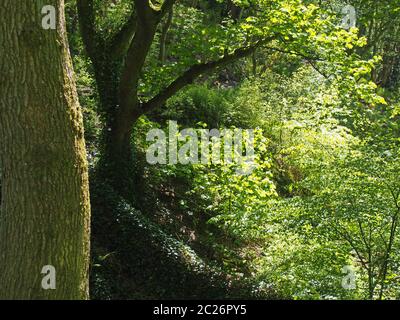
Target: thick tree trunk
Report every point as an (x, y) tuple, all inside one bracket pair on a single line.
[(116, 164), (45, 211)]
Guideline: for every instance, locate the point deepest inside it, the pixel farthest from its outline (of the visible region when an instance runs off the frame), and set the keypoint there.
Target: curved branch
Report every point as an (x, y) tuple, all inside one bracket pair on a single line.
[(197, 70), (120, 43), (148, 19), (135, 59)]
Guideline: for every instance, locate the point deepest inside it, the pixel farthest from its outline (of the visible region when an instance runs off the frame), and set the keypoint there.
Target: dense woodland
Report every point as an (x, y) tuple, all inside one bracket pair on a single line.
[(316, 217)]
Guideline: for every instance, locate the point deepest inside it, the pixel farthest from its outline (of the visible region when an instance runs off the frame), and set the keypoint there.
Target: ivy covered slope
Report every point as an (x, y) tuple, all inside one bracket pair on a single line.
[(321, 95)]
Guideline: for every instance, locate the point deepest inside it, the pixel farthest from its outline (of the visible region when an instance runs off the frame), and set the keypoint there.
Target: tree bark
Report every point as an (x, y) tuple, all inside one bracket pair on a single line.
[(163, 37), (45, 210)]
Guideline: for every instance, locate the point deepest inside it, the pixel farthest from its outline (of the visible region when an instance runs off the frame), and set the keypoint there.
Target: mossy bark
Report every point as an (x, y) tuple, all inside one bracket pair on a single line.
[(45, 210)]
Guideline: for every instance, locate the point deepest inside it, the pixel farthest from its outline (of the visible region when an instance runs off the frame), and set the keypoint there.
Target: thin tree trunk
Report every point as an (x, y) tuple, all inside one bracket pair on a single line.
[(45, 210), (163, 37)]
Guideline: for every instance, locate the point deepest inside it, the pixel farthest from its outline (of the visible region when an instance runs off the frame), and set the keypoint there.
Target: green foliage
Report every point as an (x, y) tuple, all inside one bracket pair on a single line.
[(199, 103), (324, 190), (235, 199)]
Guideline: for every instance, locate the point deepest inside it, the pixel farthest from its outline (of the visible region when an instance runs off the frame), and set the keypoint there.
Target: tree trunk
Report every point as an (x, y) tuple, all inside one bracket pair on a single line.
[(45, 211), (116, 164), (163, 37)]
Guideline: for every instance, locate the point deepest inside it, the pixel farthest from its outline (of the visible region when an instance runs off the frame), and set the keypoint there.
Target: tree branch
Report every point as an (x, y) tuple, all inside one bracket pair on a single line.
[(122, 40), (166, 7), (143, 8), (146, 26), (195, 71), (87, 25), (164, 35), (295, 53)]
